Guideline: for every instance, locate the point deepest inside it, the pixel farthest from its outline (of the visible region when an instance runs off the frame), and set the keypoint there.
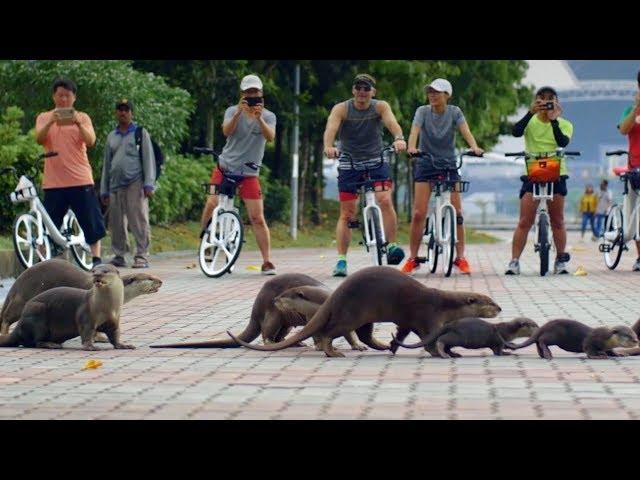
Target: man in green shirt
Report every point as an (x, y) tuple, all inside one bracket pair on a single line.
[(544, 131)]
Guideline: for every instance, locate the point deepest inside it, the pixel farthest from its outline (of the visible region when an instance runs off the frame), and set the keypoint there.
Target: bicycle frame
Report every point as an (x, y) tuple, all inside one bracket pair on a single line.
[(371, 205), (443, 201), (542, 192), (36, 208), (633, 219)]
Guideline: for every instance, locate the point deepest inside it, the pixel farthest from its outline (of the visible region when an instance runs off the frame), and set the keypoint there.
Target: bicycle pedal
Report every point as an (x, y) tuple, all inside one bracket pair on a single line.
[(353, 224), (604, 248), (421, 259)]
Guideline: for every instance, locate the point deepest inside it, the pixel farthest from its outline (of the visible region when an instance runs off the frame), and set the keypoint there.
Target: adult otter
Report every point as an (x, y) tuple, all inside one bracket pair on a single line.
[(476, 333), (298, 305), (384, 294), (634, 350), (62, 313), (266, 318), (577, 337), (53, 273)]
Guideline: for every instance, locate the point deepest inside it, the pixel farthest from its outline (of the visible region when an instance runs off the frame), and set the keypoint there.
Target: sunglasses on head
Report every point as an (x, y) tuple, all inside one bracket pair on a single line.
[(123, 108), (362, 86)]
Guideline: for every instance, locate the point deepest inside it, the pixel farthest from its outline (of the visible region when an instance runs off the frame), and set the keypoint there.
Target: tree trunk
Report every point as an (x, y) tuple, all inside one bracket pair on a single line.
[(277, 160), (318, 182), (304, 160), (210, 128)]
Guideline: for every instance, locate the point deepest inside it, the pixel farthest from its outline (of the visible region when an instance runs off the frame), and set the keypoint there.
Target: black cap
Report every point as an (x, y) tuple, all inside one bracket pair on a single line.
[(124, 102), (364, 78), (546, 89)]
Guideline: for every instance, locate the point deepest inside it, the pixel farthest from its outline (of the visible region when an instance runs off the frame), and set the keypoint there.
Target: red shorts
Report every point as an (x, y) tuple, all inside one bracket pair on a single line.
[(248, 187), (347, 196)]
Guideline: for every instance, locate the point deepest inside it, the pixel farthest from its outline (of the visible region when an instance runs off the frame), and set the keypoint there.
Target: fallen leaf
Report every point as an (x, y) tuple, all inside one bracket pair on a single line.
[(253, 267), (580, 272), (92, 364)]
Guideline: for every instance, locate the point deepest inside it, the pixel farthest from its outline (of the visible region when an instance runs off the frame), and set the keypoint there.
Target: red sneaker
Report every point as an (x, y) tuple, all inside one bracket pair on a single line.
[(462, 265), (410, 266)]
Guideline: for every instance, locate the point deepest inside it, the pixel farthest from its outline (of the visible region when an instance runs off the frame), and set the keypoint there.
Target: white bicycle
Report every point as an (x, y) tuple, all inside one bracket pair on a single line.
[(372, 228), (548, 164), (223, 238), (440, 233), (618, 228), (33, 232)]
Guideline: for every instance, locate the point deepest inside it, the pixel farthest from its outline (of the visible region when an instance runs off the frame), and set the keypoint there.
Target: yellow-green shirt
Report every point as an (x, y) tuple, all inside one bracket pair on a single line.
[(588, 203), (538, 138)]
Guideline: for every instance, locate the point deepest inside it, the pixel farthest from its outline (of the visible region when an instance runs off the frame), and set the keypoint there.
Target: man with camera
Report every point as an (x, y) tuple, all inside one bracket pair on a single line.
[(544, 131), (68, 181), (359, 121), (128, 181), (248, 126), (629, 125)]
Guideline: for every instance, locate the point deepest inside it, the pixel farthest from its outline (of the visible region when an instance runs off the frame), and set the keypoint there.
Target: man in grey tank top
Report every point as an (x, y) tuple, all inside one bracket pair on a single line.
[(248, 127), (359, 122)]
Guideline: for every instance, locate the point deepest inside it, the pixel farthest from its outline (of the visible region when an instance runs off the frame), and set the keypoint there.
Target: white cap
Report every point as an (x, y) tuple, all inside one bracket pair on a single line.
[(250, 81), (441, 85)]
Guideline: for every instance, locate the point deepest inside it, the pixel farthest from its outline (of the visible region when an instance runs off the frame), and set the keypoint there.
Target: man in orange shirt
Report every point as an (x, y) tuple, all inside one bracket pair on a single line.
[(68, 181)]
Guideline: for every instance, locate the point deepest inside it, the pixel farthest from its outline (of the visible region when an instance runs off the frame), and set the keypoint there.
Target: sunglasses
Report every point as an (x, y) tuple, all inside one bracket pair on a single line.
[(366, 88)]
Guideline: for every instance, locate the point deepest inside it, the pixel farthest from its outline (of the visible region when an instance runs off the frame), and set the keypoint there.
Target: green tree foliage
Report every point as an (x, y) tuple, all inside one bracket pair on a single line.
[(162, 109), (18, 150)]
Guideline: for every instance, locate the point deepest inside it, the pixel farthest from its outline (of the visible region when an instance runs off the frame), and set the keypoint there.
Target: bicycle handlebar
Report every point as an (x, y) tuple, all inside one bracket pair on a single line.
[(422, 154), (212, 152), (389, 148), (616, 152), (561, 153), (47, 155)]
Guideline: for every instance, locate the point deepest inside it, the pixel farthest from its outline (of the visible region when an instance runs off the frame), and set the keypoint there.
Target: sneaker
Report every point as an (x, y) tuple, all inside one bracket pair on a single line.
[(462, 265), (118, 262), (410, 266), (140, 262), (341, 269), (636, 266), (268, 268), (96, 261), (395, 255), (513, 268), (560, 265)]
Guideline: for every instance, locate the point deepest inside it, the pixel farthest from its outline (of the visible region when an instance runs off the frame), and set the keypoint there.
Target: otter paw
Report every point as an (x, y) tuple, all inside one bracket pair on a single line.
[(123, 346), (90, 348), (359, 347), (300, 344), (100, 338)]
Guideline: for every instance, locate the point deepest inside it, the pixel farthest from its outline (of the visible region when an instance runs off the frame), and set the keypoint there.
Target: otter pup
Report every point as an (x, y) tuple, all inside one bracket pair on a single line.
[(476, 333), (577, 337), (53, 273), (62, 313), (383, 294)]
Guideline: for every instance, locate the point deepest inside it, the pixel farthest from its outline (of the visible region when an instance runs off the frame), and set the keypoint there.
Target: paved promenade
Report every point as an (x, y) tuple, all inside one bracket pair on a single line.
[(301, 383)]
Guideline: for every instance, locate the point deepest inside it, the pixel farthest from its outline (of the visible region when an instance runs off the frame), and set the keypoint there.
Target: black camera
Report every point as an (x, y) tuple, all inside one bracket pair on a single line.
[(253, 101), (548, 106)]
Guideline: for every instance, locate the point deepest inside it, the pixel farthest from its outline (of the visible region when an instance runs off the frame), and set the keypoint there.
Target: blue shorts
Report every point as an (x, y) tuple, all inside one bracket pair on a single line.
[(347, 179), (424, 173)]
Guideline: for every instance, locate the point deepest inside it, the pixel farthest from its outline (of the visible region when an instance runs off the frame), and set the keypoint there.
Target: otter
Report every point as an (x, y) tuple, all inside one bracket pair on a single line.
[(266, 318), (476, 333), (383, 294), (62, 313), (574, 336), (53, 273)]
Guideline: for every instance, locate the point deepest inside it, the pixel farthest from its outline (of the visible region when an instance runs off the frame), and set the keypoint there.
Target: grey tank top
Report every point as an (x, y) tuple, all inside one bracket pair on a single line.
[(361, 135)]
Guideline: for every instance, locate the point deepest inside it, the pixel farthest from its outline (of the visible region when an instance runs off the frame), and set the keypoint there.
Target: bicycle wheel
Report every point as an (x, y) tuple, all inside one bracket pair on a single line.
[(221, 245), (613, 236), (376, 231), (81, 251), (432, 244), (449, 240), (25, 234), (543, 244)]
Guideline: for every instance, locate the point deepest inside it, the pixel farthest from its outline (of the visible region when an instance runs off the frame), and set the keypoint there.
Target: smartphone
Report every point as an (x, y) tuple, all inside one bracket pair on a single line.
[(66, 116), (253, 101)]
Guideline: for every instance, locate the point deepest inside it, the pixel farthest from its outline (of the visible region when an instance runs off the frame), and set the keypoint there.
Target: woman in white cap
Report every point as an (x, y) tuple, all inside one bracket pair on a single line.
[(248, 126), (436, 124)]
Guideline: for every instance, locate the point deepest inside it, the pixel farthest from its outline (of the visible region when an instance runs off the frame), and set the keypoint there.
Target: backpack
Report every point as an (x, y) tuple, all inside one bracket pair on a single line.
[(157, 152)]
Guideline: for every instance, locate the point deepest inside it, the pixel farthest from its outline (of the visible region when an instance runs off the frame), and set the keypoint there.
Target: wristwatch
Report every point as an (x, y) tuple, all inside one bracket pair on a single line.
[(399, 137)]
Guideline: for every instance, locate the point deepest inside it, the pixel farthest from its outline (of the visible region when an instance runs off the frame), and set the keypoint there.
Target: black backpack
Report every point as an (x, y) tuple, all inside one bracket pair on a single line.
[(157, 152)]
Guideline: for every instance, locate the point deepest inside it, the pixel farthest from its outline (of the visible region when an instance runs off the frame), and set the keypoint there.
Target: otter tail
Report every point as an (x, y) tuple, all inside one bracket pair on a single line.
[(316, 323), (516, 346), (248, 335), (438, 331)]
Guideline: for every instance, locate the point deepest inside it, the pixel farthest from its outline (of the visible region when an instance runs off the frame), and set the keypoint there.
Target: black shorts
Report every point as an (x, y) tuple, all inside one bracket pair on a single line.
[(424, 173), (559, 186), (84, 203)]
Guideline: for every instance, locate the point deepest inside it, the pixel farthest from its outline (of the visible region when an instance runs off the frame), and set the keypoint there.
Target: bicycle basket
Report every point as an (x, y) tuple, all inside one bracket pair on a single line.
[(459, 186), (544, 170)]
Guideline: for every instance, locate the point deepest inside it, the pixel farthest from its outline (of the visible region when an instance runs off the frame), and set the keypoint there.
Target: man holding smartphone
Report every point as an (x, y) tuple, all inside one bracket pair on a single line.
[(544, 132), (248, 126), (68, 181)]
